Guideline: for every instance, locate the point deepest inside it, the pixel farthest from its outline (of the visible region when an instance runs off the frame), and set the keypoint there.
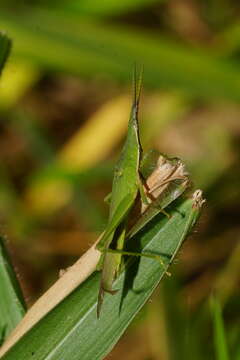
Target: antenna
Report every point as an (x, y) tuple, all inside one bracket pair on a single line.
[(137, 84)]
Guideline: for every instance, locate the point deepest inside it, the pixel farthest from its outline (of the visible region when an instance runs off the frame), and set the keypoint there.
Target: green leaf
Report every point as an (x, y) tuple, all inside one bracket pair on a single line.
[(68, 43), (12, 307), (221, 349), (5, 45), (71, 330)]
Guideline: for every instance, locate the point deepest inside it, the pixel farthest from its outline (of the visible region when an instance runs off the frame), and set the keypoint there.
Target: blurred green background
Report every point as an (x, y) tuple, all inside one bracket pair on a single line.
[(64, 103)]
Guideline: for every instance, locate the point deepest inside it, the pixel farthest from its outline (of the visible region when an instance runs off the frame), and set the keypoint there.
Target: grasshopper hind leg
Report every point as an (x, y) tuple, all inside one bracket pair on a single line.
[(101, 294), (108, 276)]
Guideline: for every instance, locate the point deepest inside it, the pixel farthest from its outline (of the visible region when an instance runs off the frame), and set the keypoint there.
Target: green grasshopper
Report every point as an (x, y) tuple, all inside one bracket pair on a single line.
[(127, 184)]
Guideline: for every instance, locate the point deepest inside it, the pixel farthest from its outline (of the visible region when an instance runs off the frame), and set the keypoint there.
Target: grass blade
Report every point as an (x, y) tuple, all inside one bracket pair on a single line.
[(220, 343), (5, 45), (106, 8), (72, 327), (12, 307), (90, 48)]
